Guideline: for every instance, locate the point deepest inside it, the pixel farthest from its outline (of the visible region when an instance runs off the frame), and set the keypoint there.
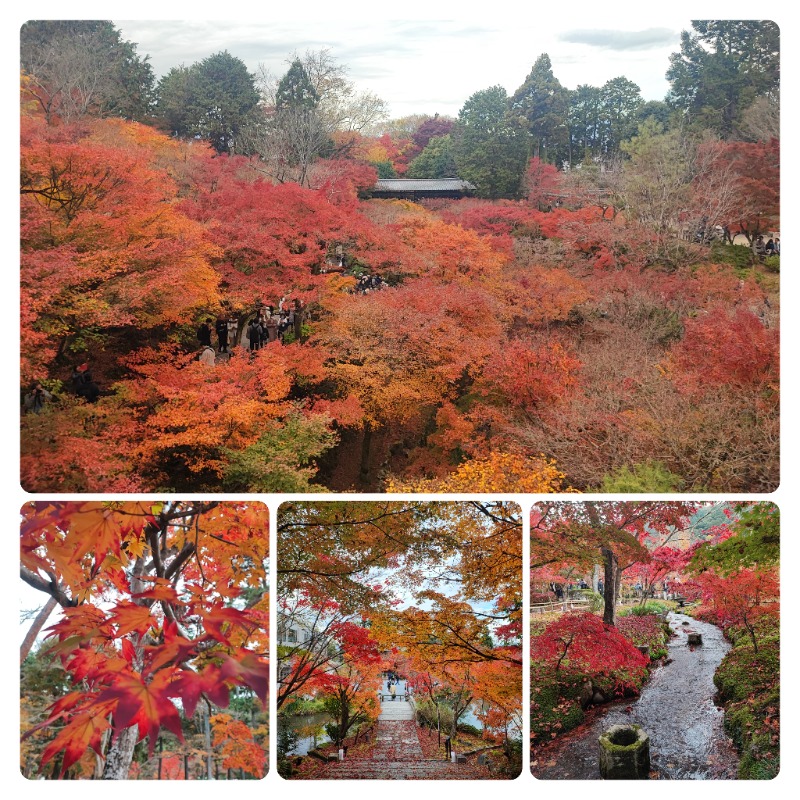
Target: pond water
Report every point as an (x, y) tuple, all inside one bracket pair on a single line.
[(310, 730), (676, 708)]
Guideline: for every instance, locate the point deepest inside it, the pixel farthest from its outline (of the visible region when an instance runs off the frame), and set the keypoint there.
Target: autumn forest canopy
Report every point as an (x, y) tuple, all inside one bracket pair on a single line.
[(602, 314)]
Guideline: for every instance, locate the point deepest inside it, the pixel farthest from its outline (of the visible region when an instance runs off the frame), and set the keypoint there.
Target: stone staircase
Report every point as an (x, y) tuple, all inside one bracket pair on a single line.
[(397, 755)]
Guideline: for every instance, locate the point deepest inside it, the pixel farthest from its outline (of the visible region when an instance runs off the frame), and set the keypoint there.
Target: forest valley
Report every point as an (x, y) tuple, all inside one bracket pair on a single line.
[(590, 328), (430, 592), (157, 663), (718, 562)]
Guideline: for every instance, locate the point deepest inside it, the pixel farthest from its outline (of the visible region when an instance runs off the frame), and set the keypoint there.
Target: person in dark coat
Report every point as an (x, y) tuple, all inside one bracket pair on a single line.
[(84, 385), (222, 334), (35, 400), (204, 333), (254, 332)]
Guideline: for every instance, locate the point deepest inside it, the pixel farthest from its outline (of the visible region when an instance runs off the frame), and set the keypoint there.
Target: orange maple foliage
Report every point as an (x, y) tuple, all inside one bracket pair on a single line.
[(157, 607), (234, 741), (498, 328), (103, 242), (497, 472)]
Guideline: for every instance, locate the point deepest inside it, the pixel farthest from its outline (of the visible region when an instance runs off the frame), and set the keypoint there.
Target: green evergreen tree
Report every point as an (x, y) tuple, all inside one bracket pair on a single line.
[(542, 102), (620, 100), (173, 102), (583, 122), (435, 161), (295, 89), (211, 100), (658, 110), (722, 67), (489, 147)]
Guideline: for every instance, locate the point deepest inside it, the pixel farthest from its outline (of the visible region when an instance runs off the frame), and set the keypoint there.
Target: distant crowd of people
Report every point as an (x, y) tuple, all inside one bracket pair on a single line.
[(270, 325), (267, 324), (571, 591), (394, 684), (559, 589)]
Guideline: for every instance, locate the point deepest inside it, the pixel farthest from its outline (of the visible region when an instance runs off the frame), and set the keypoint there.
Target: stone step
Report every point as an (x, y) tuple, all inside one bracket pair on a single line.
[(363, 769), (396, 740)]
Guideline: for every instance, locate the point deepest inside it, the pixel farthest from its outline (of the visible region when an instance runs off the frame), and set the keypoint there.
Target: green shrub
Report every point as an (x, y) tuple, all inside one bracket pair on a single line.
[(738, 255), (765, 628), (596, 600), (648, 476), (303, 705), (744, 672), (748, 684), (772, 264), (473, 730), (645, 609), (286, 741)]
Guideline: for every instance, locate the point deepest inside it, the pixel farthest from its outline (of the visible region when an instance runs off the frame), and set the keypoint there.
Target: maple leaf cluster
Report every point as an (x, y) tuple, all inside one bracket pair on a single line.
[(152, 616)]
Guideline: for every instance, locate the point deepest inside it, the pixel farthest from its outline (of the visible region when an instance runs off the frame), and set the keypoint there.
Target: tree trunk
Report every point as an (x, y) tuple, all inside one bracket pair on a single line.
[(119, 757), (36, 626), (99, 764), (609, 586), (207, 734), (366, 446), (343, 725)]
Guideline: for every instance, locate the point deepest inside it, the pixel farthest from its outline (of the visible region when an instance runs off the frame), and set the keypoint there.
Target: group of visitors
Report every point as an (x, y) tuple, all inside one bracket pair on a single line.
[(225, 328), (393, 684), (81, 382), (772, 247), (369, 283), (559, 590), (270, 325)]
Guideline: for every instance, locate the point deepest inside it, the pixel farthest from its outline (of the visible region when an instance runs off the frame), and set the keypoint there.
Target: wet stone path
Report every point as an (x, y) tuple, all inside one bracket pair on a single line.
[(677, 710)]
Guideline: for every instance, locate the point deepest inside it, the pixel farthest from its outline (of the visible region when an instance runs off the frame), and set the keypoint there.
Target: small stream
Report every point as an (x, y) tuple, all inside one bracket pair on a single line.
[(675, 707)]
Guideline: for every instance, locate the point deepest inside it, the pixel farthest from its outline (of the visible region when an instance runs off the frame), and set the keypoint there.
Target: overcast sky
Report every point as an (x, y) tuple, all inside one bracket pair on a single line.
[(434, 56), (427, 66)]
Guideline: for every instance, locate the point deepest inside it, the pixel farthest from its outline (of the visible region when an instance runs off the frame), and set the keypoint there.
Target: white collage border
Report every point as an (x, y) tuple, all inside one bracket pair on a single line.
[(787, 496)]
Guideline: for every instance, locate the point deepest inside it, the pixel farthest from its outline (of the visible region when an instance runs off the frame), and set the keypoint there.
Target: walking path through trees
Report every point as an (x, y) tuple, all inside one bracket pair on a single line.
[(394, 615), (676, 707)]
